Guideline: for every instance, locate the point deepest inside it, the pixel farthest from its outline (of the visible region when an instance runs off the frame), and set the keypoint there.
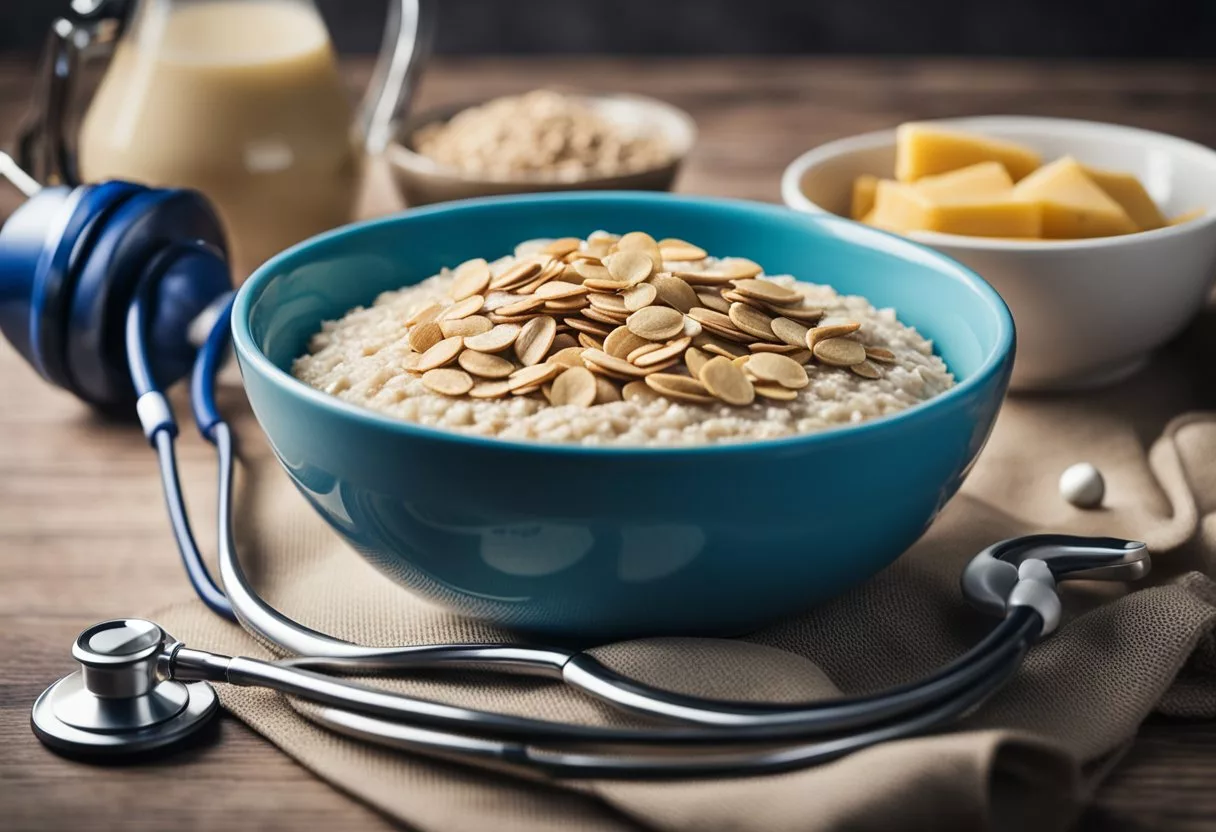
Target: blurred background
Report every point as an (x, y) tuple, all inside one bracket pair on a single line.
[(1046, 28)]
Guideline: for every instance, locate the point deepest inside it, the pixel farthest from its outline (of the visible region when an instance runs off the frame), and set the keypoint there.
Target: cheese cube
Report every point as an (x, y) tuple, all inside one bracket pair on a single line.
[(925, 149), (1125, 189), (902, 208), (1072, 204), (864, 188), (965, 184)]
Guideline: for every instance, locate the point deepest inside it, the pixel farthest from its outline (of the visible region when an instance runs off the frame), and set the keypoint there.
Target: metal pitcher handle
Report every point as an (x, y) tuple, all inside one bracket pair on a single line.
[(408, 37), (91, 28)]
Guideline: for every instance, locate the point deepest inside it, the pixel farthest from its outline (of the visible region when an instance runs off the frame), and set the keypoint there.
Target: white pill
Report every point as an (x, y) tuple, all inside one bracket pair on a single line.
[(1082, 485)]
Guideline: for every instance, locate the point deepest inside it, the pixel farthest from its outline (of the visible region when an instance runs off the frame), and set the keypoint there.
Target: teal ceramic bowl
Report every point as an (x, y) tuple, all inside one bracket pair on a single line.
[(611, 542)]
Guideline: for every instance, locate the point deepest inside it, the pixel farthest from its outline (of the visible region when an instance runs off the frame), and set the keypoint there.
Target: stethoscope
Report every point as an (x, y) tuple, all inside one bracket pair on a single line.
[(100, 286)]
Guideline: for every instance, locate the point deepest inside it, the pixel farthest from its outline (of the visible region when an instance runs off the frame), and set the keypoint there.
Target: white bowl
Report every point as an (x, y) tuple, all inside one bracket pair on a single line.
[(1088, 312)]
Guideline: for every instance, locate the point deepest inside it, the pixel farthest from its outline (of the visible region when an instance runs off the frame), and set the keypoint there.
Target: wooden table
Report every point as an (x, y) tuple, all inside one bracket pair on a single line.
[(83, 538)]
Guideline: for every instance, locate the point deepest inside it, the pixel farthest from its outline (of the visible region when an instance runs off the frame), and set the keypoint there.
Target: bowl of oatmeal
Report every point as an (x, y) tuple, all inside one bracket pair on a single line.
[(543, 140), (622, 414)]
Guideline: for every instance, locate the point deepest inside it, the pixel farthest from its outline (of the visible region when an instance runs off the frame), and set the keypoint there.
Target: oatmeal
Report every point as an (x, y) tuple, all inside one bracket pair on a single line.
[(623, 340)]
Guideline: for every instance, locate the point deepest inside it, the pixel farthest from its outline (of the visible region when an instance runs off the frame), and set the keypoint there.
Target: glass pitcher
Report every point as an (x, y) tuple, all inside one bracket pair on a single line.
[(239, 99)]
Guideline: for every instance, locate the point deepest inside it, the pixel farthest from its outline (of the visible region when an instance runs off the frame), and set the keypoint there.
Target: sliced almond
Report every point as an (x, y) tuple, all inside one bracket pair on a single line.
[(490, 390), (557, 289), (719, 324), (562, 246), (706, 279), (750, 320), (608, 302), (570, 274), (592, 271), (589, 342), (575, 386), (695, 359), (535, 339), (521, 307), (636, 240), (425, 336), (679, 388), (775, 392), (779, 369), (605, 285), (621, 342), (444, 352), (562, 341), (791, 332), (629, 267), (805, 314), (674, 292), (533, 376), (661, 355), (472, 277), (732, 296), (712, 300), (727, 382), (739, 267), (472, 325), (880, 354), (610, 362), (681, 251), (600, 316), (566, 305), (605, 391), (711, 343), (780, 349), (517, 274), (448, 382), (485, 365), (839, 352), (638, 391), (866, 369), (424, 315), (496, 340), (823, 333), (645, 349), (639, 296), (656, 323), (463, 309), (642, 242), (766, 290), (568, 357)]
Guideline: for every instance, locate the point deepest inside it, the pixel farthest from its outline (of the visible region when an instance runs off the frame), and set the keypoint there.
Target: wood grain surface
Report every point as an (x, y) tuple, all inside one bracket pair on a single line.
[(82, 535)]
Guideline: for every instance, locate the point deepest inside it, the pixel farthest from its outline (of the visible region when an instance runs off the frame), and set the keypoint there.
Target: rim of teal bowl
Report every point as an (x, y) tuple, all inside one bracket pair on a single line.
[(253, 355)]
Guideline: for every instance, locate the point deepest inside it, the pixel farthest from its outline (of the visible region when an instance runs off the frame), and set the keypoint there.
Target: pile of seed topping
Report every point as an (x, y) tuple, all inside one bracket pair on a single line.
[(589, 322), (539, 135)]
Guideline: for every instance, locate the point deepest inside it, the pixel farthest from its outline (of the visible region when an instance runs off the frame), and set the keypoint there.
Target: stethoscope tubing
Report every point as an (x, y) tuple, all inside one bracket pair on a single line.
[(521, 758)]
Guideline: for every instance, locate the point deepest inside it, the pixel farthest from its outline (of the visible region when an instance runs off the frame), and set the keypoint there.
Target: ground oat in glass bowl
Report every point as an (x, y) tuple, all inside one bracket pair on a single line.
[(540, 141), (623, 340)]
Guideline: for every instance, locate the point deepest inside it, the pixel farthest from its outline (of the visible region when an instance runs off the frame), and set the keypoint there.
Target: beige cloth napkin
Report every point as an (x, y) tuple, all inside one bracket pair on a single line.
[(1027, 757)]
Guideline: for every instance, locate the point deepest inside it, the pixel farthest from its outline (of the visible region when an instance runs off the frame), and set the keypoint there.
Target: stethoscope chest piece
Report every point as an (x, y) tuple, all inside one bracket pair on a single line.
[(119, 701)]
